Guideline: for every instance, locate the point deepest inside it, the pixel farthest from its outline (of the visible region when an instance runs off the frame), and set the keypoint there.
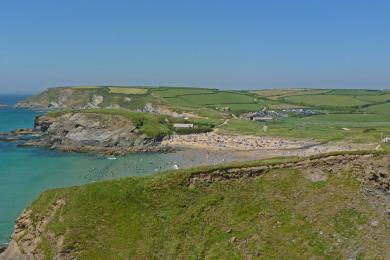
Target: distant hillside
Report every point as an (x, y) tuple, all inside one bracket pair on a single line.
[(356, 115), (324, 207), (182, 98), (88, 97)]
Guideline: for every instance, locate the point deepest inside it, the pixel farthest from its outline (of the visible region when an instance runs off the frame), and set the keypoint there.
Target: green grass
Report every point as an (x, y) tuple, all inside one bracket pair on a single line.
[(355, 92), (280, 215), (363, 127), (274, 94), (202, 97), (376, 98), (167, 92), (326, 100), (379, 109)]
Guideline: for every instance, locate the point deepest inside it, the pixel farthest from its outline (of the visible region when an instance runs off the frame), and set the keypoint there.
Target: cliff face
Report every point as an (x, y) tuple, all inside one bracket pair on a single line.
[(27, 234), (77, 131), (60, 98)]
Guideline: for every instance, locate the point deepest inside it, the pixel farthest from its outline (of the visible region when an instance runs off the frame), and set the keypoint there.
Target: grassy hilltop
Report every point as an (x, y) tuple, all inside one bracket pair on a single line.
[(316, 211)]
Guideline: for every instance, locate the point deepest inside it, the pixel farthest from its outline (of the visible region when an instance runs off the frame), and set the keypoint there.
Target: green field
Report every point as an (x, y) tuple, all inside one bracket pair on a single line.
[(362, 127), (355, 92), (280, 215), (375, 98), (220, 97), (274, 94), (379, 109), (166, 92), (326, 100)]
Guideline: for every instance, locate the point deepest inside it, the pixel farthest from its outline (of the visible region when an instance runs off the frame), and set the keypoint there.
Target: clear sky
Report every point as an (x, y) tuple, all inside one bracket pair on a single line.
[(226, 44)]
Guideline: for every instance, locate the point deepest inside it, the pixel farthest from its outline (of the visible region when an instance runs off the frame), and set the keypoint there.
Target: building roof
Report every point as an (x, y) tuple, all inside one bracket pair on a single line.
[(181, 125)]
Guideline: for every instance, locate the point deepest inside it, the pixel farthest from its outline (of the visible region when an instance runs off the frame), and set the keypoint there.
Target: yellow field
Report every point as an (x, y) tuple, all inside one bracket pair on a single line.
[(85, 87), (128, 91)]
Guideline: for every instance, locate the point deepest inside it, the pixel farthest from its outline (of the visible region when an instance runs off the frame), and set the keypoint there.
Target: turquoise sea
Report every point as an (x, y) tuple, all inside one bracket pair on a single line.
[(26, 172)]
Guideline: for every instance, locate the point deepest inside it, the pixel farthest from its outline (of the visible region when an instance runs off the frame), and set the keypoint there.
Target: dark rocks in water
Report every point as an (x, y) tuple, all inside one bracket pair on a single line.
[(9, 139), (3, 248), (23, 131), (18, 135), (3, 105)]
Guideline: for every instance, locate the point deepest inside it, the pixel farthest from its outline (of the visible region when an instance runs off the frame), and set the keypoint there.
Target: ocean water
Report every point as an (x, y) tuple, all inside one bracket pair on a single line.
[(26, 172)]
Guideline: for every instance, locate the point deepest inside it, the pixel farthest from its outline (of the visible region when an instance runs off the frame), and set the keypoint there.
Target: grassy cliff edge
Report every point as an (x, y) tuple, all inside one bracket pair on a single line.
[(280, 208)]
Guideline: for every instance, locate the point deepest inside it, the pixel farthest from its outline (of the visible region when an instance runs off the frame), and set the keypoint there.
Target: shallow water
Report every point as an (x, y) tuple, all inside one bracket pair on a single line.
[(26, 172)]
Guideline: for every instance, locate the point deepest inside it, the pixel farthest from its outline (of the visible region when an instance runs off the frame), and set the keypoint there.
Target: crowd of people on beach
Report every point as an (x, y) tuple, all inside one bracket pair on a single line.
[(240, 142)]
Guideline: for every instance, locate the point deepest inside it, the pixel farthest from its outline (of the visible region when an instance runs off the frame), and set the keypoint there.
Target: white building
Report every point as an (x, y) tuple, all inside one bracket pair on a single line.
[(386, 140), (179, 125)]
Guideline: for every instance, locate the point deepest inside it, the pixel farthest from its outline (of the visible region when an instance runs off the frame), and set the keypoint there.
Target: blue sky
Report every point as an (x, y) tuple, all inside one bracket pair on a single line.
[(224, 44)]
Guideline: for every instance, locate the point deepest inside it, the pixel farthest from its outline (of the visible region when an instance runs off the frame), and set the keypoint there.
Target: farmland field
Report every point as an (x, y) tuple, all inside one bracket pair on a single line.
[(327, 100), (127, 90), (379, 109), (275, 94), (175, 92), (375, 98), (85, 87), (354, 127), (354, 92), (221, 97)]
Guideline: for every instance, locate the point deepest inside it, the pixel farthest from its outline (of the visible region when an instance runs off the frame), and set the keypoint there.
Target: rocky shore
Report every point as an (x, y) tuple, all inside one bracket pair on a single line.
[(18, 135), (92, 132)]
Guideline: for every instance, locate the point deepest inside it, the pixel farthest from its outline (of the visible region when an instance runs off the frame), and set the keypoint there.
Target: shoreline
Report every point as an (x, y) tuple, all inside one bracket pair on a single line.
[(249, 144)]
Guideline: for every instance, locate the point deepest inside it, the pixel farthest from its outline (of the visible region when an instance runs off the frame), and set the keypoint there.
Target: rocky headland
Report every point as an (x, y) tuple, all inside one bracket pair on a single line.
[(92, 132)]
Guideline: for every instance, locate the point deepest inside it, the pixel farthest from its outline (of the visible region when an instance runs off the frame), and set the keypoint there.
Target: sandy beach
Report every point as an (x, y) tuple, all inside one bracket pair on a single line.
[(215, 141), (214, 148)]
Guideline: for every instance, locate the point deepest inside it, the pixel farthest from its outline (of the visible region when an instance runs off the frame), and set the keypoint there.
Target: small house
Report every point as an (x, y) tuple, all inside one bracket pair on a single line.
[(181, 125), (386, 140)]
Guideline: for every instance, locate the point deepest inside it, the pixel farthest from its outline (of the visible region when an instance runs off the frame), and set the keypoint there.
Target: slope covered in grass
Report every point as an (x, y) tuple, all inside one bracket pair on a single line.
[(324, 127), (281, 214)]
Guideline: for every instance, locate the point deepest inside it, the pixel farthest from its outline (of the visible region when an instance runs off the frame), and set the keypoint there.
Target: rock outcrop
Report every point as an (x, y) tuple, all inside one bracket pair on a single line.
[(375, 172), (84, 132), (27, 235), (161, 110), (64, 98)]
